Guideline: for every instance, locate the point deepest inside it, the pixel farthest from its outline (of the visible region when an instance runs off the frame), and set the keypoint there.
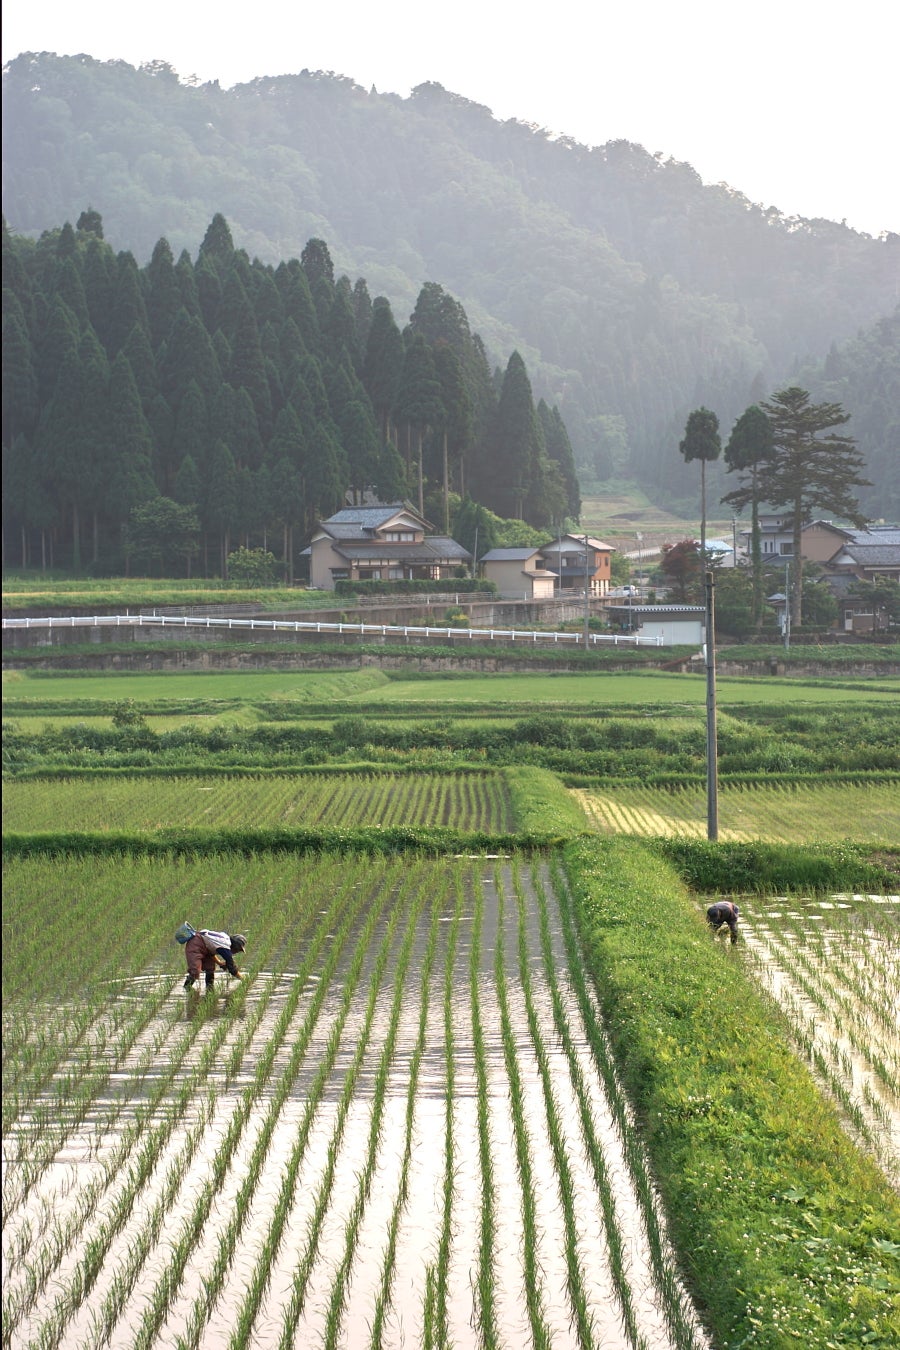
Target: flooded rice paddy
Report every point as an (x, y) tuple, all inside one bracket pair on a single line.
[(404, 1130), (833, 965)]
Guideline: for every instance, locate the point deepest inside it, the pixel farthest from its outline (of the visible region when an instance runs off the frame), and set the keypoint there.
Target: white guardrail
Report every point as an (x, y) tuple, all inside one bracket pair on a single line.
[(316, 626)]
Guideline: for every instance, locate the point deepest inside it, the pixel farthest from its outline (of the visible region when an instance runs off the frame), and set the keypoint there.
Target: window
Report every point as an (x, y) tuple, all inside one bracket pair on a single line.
[(786, 548)]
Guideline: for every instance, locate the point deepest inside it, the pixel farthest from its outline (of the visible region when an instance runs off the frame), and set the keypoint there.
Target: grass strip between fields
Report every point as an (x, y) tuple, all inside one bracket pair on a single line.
[(786, 1232)]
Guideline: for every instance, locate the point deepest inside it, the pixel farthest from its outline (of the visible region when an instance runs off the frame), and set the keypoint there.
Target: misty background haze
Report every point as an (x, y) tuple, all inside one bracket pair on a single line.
[(792, 104)]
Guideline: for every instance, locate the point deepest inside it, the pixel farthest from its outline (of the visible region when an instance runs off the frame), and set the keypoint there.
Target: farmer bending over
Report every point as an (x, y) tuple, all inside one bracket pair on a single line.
[(207, 950), (722, 912)]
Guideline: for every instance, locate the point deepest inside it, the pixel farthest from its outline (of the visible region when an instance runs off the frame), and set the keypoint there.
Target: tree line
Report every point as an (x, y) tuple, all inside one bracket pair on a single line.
[(634, 290), (788, 454), (242, 402)]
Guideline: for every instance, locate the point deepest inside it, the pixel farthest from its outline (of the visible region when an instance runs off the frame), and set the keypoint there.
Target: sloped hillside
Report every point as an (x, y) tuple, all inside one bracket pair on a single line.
[(632, 290)]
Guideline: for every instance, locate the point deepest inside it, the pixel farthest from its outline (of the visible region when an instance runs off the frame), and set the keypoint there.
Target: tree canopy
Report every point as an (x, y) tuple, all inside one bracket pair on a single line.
[(812, 468), (255, 397)]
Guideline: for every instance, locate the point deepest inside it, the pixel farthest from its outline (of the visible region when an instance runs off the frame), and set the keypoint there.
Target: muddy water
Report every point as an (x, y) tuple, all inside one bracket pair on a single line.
[(336, 1229)]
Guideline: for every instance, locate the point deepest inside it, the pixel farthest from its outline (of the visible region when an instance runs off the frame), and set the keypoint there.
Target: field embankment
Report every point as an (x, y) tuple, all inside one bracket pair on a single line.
[(788, 1234)]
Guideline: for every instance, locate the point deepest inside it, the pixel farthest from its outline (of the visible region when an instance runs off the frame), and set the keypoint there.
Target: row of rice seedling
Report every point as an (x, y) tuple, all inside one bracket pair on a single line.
[(374, 1140), (834, 967), (645, 812), (127, 1166), (789, 813), (465, 801), (249, 1173)]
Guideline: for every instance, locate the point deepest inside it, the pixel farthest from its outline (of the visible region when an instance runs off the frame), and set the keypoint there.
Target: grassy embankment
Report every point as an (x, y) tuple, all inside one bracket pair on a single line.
[(143, 594), (787, 1234)]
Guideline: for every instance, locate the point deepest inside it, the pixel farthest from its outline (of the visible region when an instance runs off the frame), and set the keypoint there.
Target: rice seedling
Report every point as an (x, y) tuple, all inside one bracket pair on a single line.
[(534, 1297), (469, 801), (302, 1274), (303, 1034), (834, 967), (789, 813), (387, 1272), (595, 1151), (580, 1314), (485, 1315), (436, 1328)]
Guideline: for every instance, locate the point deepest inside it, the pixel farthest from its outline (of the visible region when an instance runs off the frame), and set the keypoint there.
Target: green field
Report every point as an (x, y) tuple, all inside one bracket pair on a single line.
[(475, 1090), (867, 813), (650, 688), (144, 594), (462, 801), (23, 687)]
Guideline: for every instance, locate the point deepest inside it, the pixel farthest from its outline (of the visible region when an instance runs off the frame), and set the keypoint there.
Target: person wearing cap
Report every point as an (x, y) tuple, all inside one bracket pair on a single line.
[(207, 950), (722, 912)]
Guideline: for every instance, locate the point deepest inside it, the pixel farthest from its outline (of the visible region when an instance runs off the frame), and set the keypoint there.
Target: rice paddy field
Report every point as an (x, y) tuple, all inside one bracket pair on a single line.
[(470, 1093), (495, 690), (402, 1128), (785, 813), (465, 801), (833, 964)]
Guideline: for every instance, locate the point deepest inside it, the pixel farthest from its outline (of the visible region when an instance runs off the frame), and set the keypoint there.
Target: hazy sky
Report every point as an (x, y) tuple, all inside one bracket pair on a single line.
[(792, 102)]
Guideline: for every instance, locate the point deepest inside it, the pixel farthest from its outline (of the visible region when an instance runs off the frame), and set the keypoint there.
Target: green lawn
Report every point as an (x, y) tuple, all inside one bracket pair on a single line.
[(648, 687), (20, 687), (142, 593), (652, 686)]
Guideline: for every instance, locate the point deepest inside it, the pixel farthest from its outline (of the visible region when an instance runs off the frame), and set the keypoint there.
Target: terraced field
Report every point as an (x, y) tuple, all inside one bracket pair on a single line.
[(784, 813), (465, 801)]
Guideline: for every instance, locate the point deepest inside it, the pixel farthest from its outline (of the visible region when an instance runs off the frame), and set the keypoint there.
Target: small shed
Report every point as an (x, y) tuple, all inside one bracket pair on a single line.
[(674, 625)]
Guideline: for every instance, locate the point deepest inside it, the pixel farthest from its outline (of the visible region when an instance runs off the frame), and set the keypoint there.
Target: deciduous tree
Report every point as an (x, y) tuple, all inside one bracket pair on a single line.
[(161, 529)]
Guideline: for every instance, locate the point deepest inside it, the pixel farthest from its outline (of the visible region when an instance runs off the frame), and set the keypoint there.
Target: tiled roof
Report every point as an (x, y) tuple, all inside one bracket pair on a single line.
[(879, 534), (868, 555), (435, 548), (509, 554), (369, 517), (657, 611)]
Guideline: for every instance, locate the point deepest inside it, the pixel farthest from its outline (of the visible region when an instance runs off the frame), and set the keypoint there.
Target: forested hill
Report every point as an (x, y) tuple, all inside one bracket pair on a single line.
[(246, 401), (632, 290)]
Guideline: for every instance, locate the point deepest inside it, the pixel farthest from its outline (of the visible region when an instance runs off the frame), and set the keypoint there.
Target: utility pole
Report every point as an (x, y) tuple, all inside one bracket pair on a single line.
[(712, 761), (587, 596), (787, 606)]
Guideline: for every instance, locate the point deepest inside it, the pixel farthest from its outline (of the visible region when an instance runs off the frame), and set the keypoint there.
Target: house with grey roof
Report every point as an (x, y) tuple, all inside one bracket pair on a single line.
[(870, 555), (518, 573), (382, 541), (576, 558)]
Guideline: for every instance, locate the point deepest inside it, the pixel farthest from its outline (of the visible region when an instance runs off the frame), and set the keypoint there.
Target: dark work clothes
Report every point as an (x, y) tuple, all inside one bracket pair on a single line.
[(200, 956), (723, 911)]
